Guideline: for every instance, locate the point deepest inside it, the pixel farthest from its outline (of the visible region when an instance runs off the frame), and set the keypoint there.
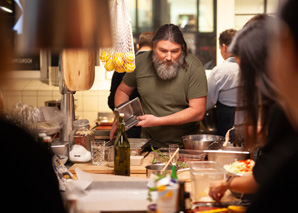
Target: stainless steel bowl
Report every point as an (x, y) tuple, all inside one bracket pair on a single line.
[(156, 169), (203, 141)]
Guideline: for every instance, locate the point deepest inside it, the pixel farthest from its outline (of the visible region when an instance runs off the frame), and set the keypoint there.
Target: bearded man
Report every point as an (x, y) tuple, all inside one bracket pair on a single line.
[(173, 88)]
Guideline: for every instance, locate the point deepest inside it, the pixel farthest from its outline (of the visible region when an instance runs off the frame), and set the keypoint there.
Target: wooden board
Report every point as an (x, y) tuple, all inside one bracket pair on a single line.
[(78, 68), (88, 167)]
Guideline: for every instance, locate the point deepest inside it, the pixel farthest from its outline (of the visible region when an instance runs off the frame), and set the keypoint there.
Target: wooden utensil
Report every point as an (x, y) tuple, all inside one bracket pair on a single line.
[(164, 168), (78, 68), (227, 137)]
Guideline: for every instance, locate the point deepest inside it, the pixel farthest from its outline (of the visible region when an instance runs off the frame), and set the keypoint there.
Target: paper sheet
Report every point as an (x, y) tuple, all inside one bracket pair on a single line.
[(99, 192)]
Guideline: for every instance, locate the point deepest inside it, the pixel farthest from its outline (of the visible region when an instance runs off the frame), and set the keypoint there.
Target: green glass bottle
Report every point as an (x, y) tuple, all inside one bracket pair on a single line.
[(174, 172), (121, 150)]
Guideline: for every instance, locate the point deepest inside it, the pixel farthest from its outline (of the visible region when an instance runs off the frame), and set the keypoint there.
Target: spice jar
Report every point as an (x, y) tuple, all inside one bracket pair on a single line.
[(81, 138)]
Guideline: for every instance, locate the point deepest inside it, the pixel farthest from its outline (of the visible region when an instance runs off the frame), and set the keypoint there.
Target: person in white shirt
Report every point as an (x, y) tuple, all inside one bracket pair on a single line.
[(223, 84)]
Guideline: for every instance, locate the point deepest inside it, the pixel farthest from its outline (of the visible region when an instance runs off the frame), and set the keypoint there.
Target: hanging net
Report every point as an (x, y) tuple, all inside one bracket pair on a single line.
[(121, 57)]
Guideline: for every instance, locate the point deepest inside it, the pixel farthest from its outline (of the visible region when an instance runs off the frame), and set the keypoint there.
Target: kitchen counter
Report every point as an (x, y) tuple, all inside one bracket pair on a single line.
[(138, 173), (135, 171)]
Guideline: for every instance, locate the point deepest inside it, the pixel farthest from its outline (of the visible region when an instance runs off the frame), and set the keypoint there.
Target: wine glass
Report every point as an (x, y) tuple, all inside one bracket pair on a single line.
[(172, 149)]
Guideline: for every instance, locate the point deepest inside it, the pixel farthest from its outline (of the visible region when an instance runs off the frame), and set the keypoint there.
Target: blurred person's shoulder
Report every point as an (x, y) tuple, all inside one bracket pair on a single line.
[(9, 129), (144, 56), (18, 140)]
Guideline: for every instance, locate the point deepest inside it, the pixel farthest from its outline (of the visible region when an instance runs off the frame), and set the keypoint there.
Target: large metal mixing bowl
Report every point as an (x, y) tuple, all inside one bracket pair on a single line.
[(203, 141)]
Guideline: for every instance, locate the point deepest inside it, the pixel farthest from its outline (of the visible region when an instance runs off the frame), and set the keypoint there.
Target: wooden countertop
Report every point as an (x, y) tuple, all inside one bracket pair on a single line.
[(137, 171)]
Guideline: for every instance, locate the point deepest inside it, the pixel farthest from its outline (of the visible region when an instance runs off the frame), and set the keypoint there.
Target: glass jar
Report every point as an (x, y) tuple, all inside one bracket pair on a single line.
[(81, 138)]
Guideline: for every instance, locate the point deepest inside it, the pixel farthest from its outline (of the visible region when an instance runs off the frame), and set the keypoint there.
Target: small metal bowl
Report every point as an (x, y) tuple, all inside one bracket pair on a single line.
[(156, 169)]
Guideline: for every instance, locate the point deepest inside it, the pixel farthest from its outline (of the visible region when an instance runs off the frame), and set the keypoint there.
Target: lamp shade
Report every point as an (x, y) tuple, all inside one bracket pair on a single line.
[(60, 24)]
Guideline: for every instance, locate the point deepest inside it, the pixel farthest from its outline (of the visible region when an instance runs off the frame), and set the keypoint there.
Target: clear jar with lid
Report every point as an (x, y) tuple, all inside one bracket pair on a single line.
[(81, 138)]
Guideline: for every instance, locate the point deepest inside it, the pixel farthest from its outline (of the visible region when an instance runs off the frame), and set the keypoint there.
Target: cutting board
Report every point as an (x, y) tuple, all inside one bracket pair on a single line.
[(104, 169), (78, 68)]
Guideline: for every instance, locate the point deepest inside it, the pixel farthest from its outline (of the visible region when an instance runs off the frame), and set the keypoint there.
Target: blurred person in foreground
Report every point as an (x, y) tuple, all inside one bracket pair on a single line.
[(173, 88), (280, 192), (29, 181), (284, 59), (223, 85), (144, 44), (259, 96)]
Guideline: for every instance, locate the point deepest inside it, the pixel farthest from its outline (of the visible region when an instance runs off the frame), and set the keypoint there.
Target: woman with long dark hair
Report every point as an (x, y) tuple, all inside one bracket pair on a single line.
[(263, 119), (249, 47), (282, 186)]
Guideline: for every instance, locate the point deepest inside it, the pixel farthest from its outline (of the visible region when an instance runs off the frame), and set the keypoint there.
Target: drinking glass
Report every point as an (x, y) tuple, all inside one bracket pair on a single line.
[(110, 156), (98, 152), (172, 149)]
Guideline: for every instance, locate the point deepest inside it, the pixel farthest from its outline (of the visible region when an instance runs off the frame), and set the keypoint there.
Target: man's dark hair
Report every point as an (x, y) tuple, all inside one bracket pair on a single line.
[(145, 39), (172, 33), (225, 37)]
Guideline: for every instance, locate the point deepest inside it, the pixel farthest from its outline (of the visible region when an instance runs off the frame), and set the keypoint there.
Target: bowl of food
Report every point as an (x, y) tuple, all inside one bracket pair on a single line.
[(239, 168), (203, 141)]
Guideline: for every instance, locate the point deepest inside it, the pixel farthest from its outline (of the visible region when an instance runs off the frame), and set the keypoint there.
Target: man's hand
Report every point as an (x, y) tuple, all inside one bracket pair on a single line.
[(114, 129), (147, 120)]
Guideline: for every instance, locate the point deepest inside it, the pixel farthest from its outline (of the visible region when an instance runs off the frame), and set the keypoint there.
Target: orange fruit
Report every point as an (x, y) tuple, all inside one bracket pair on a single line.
[(105, 55), (109, 66), (129, 57)]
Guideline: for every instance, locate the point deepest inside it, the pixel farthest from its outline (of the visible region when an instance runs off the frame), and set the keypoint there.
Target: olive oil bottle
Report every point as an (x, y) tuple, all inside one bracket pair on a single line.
[(121, 150)]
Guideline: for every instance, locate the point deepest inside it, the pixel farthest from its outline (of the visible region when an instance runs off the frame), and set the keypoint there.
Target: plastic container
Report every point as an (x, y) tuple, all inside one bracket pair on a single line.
[(202, 174), (81, 137), (131, 109), (161, 156)]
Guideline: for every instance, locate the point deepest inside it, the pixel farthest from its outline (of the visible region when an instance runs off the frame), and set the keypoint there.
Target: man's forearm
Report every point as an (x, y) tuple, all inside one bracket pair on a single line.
[(120, 97), (195, 112), (184, 116)]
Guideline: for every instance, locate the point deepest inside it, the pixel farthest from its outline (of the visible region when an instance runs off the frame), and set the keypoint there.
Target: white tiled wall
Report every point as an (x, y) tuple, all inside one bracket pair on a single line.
[(35, 93)]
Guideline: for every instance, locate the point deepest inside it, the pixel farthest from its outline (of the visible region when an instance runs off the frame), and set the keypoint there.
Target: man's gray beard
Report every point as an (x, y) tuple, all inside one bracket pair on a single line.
[(164, 71)]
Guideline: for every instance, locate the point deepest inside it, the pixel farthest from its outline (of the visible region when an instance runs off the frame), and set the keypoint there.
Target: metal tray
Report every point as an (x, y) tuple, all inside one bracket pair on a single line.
[(227, 156), (137, 145), (161, 155), (131, 109)]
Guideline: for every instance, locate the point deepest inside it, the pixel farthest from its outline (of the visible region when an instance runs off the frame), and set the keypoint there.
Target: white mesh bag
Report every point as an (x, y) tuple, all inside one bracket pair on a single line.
[(121, 57)]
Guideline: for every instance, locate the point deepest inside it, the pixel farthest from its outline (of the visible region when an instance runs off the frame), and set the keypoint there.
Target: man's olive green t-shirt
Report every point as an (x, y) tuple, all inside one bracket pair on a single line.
[(165, 97)]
